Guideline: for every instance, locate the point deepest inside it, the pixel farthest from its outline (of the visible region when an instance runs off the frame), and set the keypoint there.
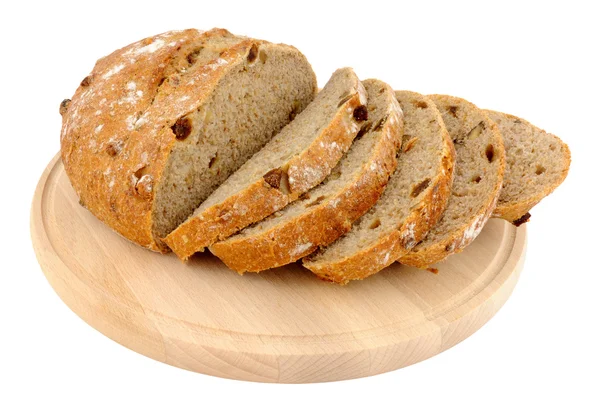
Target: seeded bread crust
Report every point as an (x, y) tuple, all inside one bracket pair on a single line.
[(280, 186), (117, 134), (471, 128), (323, 216), (514, 129), (396, 241)]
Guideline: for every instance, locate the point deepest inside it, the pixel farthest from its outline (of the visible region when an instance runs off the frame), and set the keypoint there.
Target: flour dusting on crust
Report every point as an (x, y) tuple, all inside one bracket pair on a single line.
[(300, 249), (113, 71), (150, 48)]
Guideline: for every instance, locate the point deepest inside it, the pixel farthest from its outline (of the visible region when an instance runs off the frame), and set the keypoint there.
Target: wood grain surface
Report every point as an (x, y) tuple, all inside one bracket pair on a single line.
[(283, 325)]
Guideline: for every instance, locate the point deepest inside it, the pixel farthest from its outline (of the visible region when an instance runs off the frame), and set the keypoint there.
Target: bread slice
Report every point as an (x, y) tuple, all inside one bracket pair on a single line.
[(536, 163), (161, 123), (328, 210), (297, 159), (412, 202), (480, 163)]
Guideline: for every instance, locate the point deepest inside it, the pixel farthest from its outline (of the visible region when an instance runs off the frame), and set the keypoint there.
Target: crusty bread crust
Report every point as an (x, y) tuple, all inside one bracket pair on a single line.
[(517, 211), (318, 226), (398, 241), (261, 198), (116, 135), (456, 240)]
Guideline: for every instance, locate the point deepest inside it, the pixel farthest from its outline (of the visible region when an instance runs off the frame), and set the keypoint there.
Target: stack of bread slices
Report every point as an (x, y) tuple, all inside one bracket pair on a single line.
[(191, 140)]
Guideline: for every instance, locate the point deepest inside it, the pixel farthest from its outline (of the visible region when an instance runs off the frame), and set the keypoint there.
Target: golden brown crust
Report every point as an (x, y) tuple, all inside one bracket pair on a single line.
[(261, 199), (461, 237), (116, 135), (293, 239), (398, 242)]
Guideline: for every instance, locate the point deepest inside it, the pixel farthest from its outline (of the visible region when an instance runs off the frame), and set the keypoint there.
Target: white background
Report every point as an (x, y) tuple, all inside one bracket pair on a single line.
[(539, 353)]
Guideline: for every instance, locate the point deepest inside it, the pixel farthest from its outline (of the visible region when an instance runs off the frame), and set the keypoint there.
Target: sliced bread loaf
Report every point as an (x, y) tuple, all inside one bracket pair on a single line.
[(480, 163), (161, 123), (297, 159), (412, 202), (328, 210), (536, 163)]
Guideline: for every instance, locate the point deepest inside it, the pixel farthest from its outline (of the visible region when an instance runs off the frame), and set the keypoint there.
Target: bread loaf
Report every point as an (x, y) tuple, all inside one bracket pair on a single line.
[(158, 125), (480, 163), (297, 159), (536, 163), (191, 139), (411, 204), (328, 210)]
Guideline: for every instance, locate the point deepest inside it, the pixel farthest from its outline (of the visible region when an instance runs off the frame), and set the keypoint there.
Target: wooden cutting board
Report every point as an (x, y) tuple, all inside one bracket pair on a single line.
[(283, 325)]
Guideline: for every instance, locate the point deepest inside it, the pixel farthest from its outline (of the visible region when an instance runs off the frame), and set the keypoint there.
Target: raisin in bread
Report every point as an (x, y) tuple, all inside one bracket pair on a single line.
[(480, 163), (411, 204), (158, 125), (328, 210), (536, 163), (297, 159)]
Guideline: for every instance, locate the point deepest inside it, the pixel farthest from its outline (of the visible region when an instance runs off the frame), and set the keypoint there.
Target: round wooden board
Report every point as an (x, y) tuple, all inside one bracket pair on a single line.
[(283, 325)]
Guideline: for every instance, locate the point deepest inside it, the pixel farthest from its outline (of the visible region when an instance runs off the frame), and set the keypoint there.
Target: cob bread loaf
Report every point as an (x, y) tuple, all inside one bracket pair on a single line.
[(480, 163), (412, 202), (328, 210), (297, 159), (158, 125), (536, 163)]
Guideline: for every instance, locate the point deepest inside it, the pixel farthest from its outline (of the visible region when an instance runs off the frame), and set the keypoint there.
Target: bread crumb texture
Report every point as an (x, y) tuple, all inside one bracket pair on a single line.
[(536, 163)]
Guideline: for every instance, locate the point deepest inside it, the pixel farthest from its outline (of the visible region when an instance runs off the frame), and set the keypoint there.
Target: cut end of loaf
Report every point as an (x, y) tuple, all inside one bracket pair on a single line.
[(252, 102)]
